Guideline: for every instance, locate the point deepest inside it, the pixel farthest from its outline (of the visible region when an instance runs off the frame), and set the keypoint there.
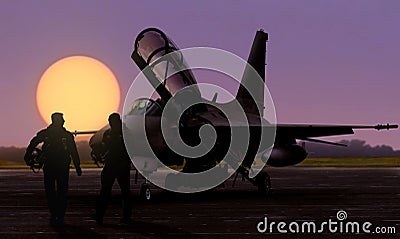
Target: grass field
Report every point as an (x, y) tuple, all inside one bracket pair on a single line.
[(351, 162)]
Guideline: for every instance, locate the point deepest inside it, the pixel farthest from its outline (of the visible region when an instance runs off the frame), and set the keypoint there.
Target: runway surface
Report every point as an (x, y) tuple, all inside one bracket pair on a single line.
[(299, 195)]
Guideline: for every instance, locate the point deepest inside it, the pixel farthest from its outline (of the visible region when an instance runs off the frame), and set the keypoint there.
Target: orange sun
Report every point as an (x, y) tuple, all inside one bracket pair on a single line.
[(82, 88)]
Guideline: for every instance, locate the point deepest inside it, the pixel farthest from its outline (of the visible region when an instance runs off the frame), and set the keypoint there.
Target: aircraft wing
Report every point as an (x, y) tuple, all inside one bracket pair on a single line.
[(300, 131)]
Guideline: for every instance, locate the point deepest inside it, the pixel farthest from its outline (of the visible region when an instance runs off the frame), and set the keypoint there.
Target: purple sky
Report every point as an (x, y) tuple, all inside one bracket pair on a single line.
[(333, 62)]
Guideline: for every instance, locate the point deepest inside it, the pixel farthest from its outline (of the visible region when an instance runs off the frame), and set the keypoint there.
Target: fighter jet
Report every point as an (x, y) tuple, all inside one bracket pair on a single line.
[(150, 46)]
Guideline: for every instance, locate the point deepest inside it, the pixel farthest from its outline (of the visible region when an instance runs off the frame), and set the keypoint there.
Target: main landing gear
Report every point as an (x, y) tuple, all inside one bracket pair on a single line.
[(262, 181)]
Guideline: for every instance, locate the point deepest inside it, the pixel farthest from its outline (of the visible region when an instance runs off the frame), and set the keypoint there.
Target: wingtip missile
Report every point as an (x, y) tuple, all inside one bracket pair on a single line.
[(386, 126)]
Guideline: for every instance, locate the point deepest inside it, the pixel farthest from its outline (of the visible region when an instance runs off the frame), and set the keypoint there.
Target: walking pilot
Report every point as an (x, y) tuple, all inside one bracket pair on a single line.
[(58, 149), (117, 165)]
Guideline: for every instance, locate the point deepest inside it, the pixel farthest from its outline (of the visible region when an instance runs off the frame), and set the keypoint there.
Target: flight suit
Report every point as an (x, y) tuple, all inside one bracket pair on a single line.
[(117, 165), (58, 148)]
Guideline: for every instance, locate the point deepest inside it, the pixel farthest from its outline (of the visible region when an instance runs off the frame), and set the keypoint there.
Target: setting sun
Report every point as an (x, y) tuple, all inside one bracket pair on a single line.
[(83, 88)]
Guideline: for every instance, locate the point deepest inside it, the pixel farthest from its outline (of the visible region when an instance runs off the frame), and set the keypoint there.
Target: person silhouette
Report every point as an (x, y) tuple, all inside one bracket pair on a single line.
[(117, 165), (57, 150)]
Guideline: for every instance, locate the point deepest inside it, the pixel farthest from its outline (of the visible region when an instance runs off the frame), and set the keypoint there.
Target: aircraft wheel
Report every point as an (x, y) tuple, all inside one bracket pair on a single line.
[(263, 183), (145, 192)]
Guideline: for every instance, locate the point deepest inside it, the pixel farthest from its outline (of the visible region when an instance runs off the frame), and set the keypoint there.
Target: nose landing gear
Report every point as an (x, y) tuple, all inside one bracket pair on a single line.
[(145, 192)]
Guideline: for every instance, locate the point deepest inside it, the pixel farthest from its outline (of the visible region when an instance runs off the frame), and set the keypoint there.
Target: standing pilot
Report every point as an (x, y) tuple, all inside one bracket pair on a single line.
[(57, 150), (117, 165)]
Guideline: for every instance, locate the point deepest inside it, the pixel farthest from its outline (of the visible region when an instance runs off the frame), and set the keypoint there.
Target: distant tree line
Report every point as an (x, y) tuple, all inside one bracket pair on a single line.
[(15, 154), (355, 149)]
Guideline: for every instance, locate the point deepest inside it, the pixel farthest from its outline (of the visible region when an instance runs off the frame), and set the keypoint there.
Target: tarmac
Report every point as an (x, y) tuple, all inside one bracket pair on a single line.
[(300, 195)]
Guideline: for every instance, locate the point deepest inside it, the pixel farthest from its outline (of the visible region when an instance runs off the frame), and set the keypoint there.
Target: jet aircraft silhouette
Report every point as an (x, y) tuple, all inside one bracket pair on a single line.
[(150, 45)]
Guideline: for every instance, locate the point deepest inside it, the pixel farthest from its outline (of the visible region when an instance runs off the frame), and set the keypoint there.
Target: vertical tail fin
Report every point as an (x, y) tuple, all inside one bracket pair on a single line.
[(254, 103)]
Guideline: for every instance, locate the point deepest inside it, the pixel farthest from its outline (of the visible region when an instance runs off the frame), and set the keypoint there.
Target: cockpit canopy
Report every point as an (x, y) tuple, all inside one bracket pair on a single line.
[(152, 43), (150, 47)]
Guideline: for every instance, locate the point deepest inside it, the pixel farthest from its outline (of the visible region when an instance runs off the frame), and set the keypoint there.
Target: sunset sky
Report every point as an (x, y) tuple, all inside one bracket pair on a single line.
[(329, 62)]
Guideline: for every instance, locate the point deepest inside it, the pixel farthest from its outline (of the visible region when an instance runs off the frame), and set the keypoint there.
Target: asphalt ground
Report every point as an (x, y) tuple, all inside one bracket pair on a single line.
[(300, 195)]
